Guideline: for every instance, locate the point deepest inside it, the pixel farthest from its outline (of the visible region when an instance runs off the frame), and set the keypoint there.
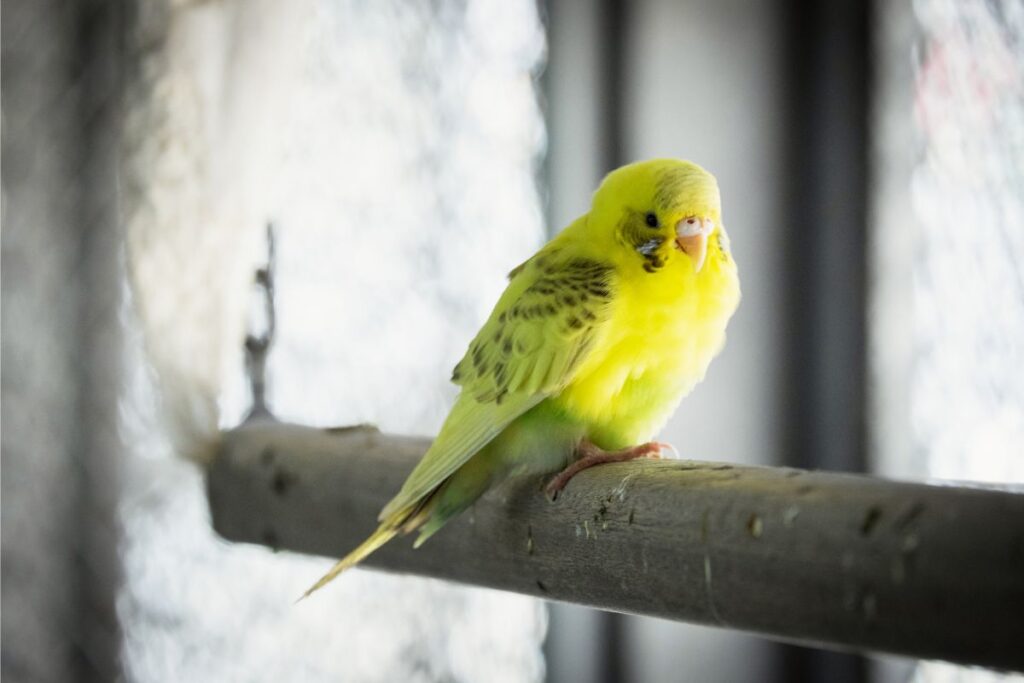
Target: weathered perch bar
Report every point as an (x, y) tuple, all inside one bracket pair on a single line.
[(845, 561)]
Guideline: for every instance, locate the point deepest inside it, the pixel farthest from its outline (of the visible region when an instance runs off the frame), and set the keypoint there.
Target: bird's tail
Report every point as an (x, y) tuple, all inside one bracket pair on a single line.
[(382, 535), (402, 521)]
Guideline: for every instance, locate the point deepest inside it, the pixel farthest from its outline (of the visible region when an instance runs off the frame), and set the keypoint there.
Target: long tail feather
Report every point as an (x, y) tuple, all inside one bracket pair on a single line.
[(407, 519), (384, 533)]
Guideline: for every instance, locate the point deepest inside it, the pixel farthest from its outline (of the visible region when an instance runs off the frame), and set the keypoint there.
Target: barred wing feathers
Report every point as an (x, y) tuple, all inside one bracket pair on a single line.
[(540, 331)]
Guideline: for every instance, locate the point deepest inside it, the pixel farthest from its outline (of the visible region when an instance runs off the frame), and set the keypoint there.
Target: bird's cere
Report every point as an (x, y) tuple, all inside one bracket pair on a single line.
[(692, 237), (693, 226), (688, 227)]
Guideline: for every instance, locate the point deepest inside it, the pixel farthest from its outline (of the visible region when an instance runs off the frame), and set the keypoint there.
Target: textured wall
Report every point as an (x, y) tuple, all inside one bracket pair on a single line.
[(393, 145), (39, 398), (60, 340)]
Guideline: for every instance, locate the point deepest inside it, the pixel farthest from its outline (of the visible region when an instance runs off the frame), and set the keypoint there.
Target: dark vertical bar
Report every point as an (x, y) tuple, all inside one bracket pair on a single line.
[(543, 175), (827, 238), (100, 43), (829, 68), (614, 31)]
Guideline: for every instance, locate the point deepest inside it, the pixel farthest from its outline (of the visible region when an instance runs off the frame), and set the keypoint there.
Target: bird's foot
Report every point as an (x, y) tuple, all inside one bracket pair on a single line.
[(590, 455)]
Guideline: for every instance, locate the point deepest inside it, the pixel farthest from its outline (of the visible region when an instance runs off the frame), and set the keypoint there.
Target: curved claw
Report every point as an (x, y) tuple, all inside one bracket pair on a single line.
[(663, 446)]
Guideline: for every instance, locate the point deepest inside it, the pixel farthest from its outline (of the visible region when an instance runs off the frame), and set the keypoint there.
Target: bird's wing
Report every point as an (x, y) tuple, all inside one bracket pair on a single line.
[(543, 327)]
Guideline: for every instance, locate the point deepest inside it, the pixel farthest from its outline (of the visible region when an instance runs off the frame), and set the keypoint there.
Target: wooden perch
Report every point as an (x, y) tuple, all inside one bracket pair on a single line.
[(842, 561)]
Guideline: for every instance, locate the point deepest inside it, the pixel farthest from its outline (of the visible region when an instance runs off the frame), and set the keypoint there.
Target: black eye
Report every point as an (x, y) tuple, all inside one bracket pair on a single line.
[(651, 219)]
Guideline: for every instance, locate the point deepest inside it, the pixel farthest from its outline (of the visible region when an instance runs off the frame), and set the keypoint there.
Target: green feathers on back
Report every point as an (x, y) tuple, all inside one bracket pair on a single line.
[(542, 327)]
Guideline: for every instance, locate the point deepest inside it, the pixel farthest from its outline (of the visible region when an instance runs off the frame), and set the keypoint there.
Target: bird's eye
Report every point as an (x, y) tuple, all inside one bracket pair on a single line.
[(651, 219)]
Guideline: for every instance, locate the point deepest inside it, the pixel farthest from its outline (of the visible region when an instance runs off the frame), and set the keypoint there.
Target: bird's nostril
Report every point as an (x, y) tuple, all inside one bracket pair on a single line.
[(689, 226)]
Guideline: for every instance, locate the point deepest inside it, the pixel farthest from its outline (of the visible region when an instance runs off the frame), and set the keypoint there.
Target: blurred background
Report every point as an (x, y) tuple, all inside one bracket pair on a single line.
[(871, 162)]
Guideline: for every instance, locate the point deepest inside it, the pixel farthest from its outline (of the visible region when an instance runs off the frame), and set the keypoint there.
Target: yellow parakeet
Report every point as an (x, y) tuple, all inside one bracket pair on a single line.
[(587, 353)]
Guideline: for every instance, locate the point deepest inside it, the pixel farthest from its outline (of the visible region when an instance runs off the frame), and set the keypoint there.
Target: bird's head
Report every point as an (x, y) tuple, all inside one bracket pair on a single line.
[(659, 212)]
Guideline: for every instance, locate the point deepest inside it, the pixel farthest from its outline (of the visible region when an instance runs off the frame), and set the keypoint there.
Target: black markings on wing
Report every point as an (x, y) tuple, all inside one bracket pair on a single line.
[(541, 260), (532, 343)]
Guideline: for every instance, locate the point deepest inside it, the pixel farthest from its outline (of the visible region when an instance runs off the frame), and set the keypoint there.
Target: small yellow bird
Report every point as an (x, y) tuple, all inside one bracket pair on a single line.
[(588, 352)]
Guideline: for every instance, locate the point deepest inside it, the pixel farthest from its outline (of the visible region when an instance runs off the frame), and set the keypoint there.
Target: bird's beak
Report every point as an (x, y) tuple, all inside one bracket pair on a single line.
[(692, 238)]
